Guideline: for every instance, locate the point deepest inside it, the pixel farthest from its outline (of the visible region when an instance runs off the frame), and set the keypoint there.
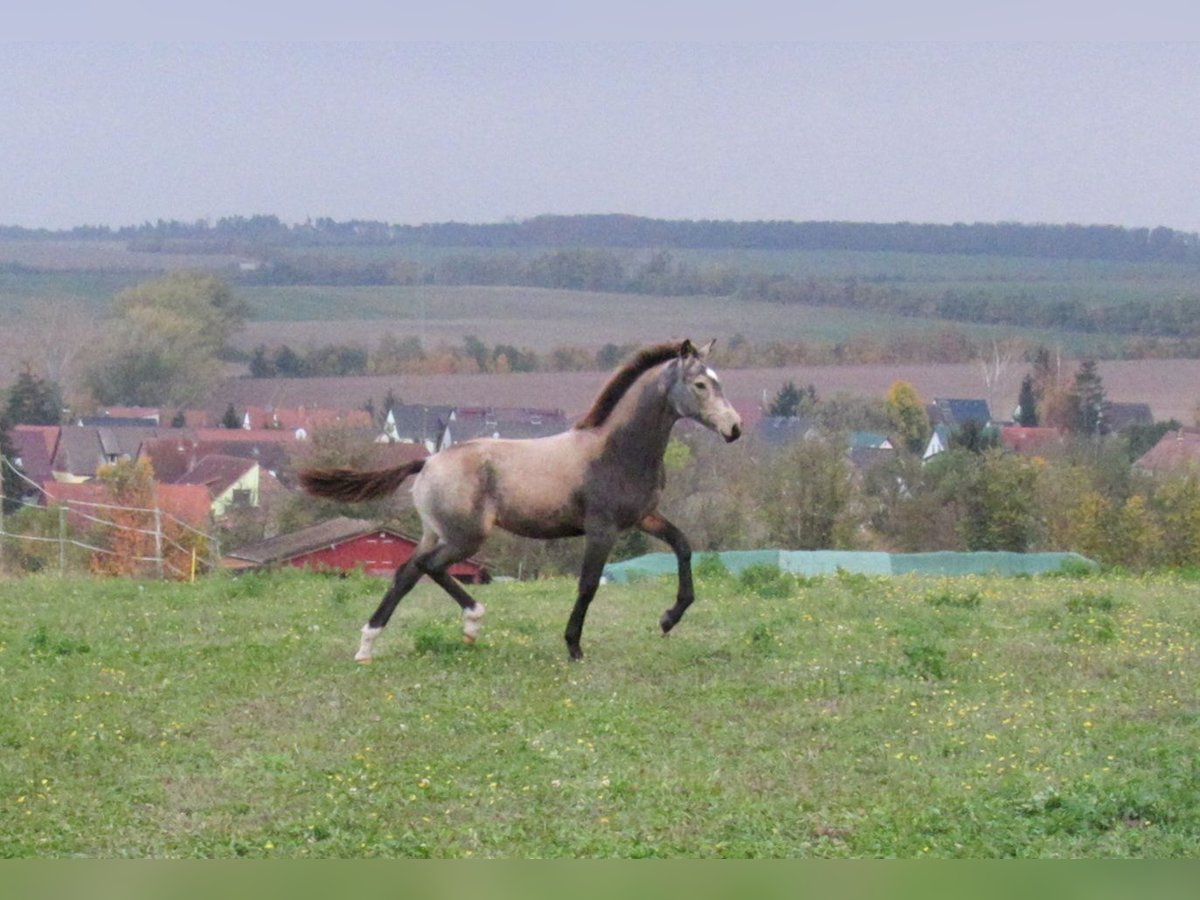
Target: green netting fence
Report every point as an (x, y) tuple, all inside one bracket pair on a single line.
[(829, 562)]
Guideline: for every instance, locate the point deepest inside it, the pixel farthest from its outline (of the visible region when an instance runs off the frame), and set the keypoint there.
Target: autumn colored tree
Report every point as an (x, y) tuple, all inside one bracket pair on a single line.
[(908, 415), (127, 540), (138, 538)]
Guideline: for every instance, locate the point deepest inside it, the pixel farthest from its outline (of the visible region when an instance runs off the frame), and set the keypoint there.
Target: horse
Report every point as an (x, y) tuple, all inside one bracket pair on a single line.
[(603, 476)]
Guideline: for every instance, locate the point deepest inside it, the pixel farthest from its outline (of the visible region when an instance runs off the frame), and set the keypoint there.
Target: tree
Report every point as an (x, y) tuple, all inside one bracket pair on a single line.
[(162, 345), (786, 402), (1045, 372), (139, 541), (1079, 407), (260, 364), (805, 497), (231, 419), (974, 437), (792, 401), (185, 306), (337, 447), (1088, 400), (1000, 503), (908, 415), (10, 481), (995, 367), (289, 364), (34, 401), (1027, 414), (477, 350)]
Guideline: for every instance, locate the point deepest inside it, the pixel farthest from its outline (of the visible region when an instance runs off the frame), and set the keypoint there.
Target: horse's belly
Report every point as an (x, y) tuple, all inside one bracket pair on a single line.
[(540, 523)]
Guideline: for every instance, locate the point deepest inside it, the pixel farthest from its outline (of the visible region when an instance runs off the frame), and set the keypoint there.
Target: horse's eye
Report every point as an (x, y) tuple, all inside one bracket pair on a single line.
[(700, 386)]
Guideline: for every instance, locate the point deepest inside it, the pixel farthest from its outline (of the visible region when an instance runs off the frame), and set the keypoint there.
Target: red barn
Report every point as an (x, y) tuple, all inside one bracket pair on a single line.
[(343, 545)]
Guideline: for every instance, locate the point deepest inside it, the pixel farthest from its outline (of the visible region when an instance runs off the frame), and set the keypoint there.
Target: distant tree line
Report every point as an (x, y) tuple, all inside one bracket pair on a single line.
[(997, 239), (628, 254), (408, 355)]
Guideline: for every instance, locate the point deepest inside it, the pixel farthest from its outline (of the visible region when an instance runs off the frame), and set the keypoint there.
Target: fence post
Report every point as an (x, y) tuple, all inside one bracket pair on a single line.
[(158, 541), (62, 541), (3, 461)]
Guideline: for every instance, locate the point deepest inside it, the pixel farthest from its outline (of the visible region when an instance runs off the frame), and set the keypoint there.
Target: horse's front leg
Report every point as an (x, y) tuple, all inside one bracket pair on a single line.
[(658, 526), (599, 544)]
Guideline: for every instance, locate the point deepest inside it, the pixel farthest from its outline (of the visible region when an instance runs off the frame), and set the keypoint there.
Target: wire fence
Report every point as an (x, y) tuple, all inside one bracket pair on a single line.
[(108, 537)]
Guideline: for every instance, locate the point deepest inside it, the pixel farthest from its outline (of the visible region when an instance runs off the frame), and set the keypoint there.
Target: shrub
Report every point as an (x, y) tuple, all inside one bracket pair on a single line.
[(767, 581), (710, 567)]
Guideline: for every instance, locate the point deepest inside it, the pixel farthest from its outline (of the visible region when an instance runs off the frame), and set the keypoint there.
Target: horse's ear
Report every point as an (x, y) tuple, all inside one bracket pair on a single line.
[(706, 349), (686, 349)]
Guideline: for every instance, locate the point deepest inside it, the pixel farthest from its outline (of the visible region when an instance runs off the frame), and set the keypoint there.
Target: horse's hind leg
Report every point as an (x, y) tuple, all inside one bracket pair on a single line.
[(406, 576), (658, 526), (436, 564)]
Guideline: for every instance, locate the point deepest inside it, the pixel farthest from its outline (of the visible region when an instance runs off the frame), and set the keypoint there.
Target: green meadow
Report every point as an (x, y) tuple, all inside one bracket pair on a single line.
[(845, 716)]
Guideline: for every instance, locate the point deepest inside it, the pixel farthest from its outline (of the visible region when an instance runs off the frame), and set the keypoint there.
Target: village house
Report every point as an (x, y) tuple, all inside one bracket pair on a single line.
[(470, 422), (1119, 417), (303, 421), (779, 431), (35, 446), (231, 482), (1175, 451), (417, 424), (955, 413)]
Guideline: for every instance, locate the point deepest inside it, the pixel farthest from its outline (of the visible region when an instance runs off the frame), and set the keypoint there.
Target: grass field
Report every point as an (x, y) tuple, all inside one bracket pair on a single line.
[(850, 716), (542, 319), (1090, 281)]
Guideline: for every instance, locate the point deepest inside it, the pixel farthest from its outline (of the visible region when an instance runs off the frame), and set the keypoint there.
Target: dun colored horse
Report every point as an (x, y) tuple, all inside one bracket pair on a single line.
[(603, 476)]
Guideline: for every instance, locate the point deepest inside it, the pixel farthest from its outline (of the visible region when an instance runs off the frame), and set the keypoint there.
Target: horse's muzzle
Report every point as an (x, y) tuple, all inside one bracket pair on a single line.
[(734, 434)]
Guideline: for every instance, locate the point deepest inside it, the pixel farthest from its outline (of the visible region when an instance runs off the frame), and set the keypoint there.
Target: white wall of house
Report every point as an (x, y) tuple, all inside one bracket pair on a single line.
[(233, 494)]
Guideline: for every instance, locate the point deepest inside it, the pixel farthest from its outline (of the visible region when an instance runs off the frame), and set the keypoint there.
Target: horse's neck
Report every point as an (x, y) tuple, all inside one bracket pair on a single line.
[(641, 424)]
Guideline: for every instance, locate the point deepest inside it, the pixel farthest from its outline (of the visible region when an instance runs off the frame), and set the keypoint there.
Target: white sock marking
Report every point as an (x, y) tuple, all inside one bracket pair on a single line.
[(368, 639), (473, 622)]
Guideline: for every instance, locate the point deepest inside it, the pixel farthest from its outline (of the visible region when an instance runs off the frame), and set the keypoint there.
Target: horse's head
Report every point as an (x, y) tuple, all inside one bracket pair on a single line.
[(696, 393)]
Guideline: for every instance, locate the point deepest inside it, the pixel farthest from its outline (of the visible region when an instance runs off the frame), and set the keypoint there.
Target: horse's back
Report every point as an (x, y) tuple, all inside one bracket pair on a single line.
[(532, 487)]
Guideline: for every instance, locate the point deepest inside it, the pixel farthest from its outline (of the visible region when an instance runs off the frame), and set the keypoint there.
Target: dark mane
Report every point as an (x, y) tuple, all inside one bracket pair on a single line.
[(622, 380)]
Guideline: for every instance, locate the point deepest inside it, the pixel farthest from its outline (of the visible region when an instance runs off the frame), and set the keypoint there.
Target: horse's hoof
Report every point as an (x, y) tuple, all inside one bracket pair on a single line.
[(468, 638), (363, 660)]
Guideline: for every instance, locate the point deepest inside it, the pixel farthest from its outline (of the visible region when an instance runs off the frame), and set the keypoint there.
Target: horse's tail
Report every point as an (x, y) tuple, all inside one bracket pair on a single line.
[(352, 486)]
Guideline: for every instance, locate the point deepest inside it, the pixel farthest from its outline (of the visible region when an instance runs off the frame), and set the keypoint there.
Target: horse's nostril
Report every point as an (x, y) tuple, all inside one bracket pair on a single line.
[(734, 433)]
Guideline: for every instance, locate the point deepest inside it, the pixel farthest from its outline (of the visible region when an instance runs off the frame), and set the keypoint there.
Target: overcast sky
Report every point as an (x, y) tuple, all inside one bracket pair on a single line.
[(421, 132)]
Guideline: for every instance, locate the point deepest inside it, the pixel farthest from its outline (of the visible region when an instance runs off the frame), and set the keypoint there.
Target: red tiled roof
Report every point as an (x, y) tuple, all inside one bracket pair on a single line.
[(1030, 441), (48, 434), (1174, 450), (189, 503), (244, 435), (30, 443), (308, 418), (216, 473)]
